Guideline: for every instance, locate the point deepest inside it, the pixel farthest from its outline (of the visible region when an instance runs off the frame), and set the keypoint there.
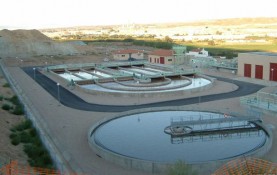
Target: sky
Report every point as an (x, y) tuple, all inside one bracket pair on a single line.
[(38, 14)]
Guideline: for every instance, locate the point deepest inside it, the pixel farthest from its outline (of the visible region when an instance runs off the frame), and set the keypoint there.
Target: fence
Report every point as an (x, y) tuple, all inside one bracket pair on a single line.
[(13, 168), (247, 166)]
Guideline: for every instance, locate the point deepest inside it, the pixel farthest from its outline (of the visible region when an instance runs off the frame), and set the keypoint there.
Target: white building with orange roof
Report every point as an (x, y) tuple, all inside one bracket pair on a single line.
[(128, 54), (161, 56)]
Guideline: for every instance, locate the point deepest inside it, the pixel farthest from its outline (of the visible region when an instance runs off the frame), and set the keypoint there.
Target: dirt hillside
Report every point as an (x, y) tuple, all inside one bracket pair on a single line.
[(25, 43)]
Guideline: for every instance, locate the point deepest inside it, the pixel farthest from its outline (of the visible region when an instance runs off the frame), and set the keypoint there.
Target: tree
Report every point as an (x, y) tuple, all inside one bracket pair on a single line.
[(57, 38), (168, 39), (218, 33), (211, 43)]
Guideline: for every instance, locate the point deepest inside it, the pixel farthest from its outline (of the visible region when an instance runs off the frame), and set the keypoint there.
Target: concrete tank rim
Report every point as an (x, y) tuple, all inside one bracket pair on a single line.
[(98, 149)]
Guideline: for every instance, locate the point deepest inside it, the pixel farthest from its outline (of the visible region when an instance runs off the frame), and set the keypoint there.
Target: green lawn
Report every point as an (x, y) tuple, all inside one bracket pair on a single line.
[(231, 51), (219, 49), (236, 47)]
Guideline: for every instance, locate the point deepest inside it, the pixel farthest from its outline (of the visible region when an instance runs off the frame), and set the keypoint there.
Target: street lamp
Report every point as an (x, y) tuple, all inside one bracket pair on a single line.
[(58, 85), (34, 72)]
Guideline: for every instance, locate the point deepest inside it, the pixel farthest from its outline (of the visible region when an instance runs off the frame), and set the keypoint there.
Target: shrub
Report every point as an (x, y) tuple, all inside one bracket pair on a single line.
[(6, 85), (13, 135), (30, 150), (46, 159), (32, 162), (15, 141), (156, 44), (39, 155), (6, 107), (14, 99), (18, 110), (33, 147), (13, 129), (1, 98), (33, 132), (181, 168), (24, 125), (25, 137), (37, 141)]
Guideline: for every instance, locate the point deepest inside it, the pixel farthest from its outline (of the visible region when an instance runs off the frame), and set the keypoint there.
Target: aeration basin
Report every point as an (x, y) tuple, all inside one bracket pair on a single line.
[(139, 82), (135, 77)]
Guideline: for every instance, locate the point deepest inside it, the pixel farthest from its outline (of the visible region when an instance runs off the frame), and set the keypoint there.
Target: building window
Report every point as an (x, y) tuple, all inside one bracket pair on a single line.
[(122, 55), (169, 60)]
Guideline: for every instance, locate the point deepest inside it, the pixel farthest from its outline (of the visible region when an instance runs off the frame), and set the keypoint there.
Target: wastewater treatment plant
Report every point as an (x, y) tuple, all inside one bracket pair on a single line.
[(151, 139), (145, 117)]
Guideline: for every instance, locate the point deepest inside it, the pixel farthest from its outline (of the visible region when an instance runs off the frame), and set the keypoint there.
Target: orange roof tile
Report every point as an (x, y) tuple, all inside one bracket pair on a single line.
[(196, 50), (127, 51), (162, 52)]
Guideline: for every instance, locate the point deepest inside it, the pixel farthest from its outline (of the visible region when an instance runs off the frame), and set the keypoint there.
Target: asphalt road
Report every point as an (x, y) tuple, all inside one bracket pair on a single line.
[(71, 100)]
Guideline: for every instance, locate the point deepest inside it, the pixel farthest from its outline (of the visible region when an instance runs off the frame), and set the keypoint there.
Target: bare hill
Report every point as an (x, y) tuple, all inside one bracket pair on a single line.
[(25, 43)]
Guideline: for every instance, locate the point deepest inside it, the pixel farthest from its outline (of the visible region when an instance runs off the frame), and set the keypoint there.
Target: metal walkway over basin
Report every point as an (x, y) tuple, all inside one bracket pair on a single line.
[(216, 120), (212, 126)]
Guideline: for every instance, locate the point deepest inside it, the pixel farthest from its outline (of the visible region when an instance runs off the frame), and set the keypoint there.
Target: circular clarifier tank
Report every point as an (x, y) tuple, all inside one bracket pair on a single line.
[(168, 136), (135, 87)]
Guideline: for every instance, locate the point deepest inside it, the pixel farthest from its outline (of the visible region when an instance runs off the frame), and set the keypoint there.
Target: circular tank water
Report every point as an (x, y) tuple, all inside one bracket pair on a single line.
[(174, 85), (143, 136)]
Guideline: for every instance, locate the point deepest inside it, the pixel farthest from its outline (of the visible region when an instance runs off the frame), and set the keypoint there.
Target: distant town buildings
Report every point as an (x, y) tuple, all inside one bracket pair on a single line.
[(198, 53), (128, 54), (259, 65), (228, 31)]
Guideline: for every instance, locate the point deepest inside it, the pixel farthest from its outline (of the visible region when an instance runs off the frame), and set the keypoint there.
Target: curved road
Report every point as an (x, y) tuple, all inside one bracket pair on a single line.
[(71, 100)]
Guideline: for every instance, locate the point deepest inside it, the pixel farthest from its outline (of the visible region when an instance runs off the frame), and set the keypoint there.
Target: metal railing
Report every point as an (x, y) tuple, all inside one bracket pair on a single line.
[(261, 100)]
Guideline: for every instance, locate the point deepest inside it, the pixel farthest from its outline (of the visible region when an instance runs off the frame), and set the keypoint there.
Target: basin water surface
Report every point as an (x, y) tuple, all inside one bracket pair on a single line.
[(141, 136)]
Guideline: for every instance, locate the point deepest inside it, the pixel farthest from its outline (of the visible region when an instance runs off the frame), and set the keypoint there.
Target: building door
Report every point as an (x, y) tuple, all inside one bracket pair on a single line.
[(259, 71), (162, 60), (273, 72), (247, 70)]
